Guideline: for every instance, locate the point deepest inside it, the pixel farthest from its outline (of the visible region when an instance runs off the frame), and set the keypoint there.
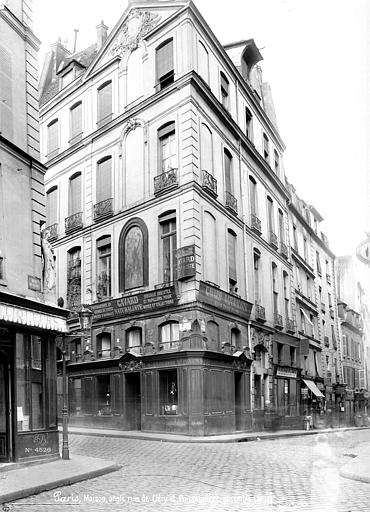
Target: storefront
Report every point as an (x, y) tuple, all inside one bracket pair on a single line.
[(28, 412)]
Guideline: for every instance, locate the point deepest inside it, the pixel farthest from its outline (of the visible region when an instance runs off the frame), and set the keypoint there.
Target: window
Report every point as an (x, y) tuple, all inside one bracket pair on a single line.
[(75, 191), (270, 215), (104, 180), (203, 62), (2, 273), (133, 337), (235, 338), (276, 162), (231, 250), (295, 240), (168, 392), (286, 294), (305, 248), (330, 300), (164, 64), (75, 349), (333, 338), (228, 171), (318, 263), (248, 124), (275, 288), (103, 344), (53, 138), (168, 247), (104, 103), (224, 91), (280, 350), (67, 78), (103, 267), (169, 333), (76, 123), (213, 335), (206, 149), (133, 255), (266, 148), (281, 226), (256, 268), (292, 355), (167, 148), (253, 195), (52, 206), (74, 277), (303, 322)]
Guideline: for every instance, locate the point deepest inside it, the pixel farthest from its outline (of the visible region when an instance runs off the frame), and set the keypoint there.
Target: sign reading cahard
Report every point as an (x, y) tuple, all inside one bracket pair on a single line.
[(223, 300), (185, 257), (138, 303)]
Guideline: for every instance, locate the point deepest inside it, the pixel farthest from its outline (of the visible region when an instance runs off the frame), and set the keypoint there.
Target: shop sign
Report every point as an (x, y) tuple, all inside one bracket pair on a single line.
[(34, 283), (223, 300), (304, 392), (138, 303), (185, 257), (36, 445), (286, 371), (32, 318)]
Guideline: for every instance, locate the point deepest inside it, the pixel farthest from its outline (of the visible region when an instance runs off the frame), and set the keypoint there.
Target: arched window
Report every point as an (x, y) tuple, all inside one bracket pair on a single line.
[(104, 103), (257, 277), (53, 138), (104, 179), (133, 255), (213, 335), (210, 248), (103, 344), (75, 123), (224, 91), (203, 62), (134, 76), (206, 149), (164, 64)]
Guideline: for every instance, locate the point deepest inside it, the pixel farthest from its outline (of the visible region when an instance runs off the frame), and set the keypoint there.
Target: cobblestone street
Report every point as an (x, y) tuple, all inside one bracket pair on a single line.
[(274, 475)]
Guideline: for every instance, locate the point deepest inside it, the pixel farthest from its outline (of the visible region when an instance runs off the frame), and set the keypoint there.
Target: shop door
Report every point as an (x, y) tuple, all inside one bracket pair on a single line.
[(5, 426), (133, 401), (238, 377)]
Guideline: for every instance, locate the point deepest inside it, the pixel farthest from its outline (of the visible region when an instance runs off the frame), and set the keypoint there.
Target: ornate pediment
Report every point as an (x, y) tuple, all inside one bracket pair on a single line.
[(261, 339), (130, 362), (137, 25)]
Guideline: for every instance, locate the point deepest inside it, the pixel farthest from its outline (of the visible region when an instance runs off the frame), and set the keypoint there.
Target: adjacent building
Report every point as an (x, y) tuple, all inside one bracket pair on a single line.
[(29, 322)]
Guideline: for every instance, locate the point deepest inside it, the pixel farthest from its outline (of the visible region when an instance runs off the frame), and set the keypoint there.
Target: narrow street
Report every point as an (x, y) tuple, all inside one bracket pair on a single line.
[(280, 475)]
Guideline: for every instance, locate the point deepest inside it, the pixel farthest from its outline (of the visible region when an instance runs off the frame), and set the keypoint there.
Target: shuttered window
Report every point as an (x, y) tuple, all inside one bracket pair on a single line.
[(253, 195), (104, 180), (206, 149), (75, 194), (76, 122), (231, 246), (105, 103), (52, 206), (53, 139), (6, 82), (228, 168), (164, 63), (270, 214)]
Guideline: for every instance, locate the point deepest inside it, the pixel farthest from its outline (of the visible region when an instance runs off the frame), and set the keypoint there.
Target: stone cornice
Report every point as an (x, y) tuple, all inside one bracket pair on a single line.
[(19, 27), (19, 153)]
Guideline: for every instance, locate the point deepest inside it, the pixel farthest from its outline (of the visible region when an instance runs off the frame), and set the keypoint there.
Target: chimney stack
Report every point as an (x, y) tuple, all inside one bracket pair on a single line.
[(102, 33)]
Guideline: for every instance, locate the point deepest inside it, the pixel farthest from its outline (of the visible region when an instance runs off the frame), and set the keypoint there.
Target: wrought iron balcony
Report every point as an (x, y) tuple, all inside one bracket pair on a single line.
[(260, 313), (278, 321), (326, 341), (284, 250), (273, 240), (51, 232), (328, 278), (290, 325), (209, 182), (103, 209), (231, 202), (256, 223), (73, 222), (165, 181)]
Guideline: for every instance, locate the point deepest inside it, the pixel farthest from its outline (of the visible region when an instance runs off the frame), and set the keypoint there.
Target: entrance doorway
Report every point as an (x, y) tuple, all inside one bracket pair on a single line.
[(133, 401), (5, 410), (238, 377)]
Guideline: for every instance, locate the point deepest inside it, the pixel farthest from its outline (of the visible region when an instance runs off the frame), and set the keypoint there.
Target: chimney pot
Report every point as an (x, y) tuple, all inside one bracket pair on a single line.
[(102, 33)]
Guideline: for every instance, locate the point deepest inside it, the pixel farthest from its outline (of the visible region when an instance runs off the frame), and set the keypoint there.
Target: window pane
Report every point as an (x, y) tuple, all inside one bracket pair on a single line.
[(228, 179), (231, 238), (168, 392), (76, 120), (23, 390)]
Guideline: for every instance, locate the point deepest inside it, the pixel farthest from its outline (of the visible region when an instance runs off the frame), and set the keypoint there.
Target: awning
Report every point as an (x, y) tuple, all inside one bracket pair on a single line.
[(312, 387)]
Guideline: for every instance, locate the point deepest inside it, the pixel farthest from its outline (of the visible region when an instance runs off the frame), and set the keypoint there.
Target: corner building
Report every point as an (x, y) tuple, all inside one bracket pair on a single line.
[(167, 210), (29, 318)]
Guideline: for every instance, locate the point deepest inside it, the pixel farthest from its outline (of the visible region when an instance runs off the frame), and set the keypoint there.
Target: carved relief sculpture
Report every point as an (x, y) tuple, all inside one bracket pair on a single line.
[(138, 24)]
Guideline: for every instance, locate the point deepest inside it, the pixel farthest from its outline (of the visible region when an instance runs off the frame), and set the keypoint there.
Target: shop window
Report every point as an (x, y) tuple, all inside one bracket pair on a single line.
[(104, 103), (167, 148), (103, 278), (225, 100), (164, 64), (103, 344), (133, 255), (133, 337), (75, 396), (168, 246), (53, 138), (35, 362), (168, 392), (75, 122), (74, 277), (169, 334), (103, 395)]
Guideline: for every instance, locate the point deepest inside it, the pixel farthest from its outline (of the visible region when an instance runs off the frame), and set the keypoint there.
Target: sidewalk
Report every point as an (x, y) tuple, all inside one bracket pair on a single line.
[(240, 437), (358, 468), (17, 481)]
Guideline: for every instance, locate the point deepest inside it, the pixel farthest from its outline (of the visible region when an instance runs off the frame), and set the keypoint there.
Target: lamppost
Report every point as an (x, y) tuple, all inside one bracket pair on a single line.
[(85, 318)]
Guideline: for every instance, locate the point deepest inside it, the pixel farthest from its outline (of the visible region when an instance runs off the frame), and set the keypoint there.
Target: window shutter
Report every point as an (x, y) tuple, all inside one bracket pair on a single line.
[(76, 120), (52, 207), (228, 181), (105, 101), (6, 83), (207, 149), (104, 180), (75, 195), (52, 137), (232, 255), (165, 59)]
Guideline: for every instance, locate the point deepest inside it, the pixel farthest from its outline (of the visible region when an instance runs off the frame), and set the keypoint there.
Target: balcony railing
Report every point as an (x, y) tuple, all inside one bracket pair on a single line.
[(231, 202), (51, 232), (326, 341), (284, 250), (104, 353), (165, 181), (73, 222), (255, 223), (290, 325), (209, 182), (170, 345), (278, 321), (328, 278), (103, 209), (273, 240), (260, 313)]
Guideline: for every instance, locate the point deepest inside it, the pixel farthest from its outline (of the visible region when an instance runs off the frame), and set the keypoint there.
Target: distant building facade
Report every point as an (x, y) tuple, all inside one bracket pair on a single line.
[(28, 322)]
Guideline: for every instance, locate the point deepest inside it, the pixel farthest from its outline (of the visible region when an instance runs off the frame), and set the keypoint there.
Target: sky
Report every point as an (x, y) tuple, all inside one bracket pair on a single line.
[(317, 61)]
